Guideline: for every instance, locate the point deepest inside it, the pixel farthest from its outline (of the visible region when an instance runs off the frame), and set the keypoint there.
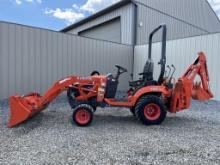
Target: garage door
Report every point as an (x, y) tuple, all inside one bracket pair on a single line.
[(110, 31)]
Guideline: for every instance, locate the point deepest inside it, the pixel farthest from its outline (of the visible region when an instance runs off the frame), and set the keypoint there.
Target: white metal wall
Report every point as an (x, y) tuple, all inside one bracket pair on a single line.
[(31, 59), (110, 31), (151, 19), (126, 13), (182, 53), (194, 12)]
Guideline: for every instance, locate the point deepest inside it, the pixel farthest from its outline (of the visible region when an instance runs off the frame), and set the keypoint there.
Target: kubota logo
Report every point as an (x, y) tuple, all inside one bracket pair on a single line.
[(154, 89), (64, 80), (84, 78)]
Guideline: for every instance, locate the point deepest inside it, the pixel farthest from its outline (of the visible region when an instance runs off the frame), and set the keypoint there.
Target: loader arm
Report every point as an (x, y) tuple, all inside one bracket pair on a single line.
[(185, 88), (56, 89), (24, 107), (64, 84)]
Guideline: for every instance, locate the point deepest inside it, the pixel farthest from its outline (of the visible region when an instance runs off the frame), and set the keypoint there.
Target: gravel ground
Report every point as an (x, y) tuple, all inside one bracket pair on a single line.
[(115, 137)]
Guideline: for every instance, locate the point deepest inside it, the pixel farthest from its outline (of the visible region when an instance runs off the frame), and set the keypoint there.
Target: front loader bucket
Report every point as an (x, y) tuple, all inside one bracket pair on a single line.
[(22, 108)]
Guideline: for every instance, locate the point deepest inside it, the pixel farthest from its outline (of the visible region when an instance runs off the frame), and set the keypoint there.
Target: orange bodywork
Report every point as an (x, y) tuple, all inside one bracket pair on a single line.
[(132, 100), (24, 107), (176, 99)]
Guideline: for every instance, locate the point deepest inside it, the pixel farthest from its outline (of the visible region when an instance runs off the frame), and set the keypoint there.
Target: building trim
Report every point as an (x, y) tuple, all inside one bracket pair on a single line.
[(176, 39)]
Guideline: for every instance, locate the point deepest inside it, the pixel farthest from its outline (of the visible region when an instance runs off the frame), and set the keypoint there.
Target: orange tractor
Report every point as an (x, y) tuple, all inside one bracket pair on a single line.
[(148, 99)]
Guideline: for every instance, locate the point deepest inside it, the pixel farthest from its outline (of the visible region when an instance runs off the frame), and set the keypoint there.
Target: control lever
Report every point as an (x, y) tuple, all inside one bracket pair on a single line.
[(174, 69), (169, 71)]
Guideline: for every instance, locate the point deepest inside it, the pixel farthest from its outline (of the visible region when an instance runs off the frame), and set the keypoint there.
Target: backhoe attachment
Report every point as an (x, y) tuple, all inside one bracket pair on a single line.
[(185, 88)]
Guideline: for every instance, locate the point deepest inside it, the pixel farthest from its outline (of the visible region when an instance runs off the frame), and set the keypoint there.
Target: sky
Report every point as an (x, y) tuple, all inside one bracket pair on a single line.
[(57, 14)]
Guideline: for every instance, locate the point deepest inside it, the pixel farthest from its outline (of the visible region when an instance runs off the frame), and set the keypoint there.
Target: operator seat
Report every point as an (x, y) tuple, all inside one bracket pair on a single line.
[(148, 71), (147, 76)]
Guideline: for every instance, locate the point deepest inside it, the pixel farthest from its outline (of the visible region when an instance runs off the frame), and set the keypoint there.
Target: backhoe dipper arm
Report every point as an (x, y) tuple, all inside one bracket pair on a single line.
[(185, 88)]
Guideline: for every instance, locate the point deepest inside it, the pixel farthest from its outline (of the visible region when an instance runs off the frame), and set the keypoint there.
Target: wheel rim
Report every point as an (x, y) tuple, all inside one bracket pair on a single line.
[(83, 116), (152, 111)]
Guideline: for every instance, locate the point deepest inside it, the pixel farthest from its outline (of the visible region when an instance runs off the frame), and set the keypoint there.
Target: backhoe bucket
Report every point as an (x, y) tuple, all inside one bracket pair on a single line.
[(198, 93), (22, 108)]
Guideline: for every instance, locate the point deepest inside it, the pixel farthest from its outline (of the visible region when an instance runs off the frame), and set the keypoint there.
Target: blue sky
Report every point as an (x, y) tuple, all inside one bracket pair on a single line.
[(34, 13), (56, 14)]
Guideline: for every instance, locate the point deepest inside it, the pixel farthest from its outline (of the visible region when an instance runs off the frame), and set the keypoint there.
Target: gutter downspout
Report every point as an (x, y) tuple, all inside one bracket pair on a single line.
[(135, 17)]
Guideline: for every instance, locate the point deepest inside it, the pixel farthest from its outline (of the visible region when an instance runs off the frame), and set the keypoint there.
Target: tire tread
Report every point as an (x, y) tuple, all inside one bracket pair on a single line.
[(146, 100)]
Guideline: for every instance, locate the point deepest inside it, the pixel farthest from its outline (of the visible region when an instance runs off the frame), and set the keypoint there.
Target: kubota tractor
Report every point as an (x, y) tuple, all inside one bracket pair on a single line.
[(148, 99)]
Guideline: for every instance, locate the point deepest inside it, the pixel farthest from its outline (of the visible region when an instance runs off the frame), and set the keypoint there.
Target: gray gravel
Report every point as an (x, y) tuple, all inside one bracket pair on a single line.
[(115, 137)]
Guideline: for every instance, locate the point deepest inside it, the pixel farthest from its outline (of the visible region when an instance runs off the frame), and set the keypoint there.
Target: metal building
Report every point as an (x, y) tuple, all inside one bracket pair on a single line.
[(130, 21), (116, 20), (32, 59)]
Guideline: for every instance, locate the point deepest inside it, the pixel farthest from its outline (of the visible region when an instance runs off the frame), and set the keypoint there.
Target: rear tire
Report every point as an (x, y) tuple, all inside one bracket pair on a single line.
[(150, 110), (83, 115)]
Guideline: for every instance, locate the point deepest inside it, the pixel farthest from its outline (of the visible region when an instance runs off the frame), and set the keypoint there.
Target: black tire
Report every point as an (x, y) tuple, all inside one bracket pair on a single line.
[(132, 110), (150, 110), (83, 115)]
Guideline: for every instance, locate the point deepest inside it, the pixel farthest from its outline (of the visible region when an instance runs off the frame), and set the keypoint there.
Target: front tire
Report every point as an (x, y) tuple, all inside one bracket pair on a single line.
[(132, 110), (150, 110), (83, 115), (72, 94)]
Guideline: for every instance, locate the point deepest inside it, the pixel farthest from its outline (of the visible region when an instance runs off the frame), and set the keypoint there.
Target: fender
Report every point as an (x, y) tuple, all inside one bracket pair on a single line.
[(150, 90)]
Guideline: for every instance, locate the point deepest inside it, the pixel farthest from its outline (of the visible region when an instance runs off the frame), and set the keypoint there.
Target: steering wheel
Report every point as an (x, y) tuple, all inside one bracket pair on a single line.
[(121, 69)]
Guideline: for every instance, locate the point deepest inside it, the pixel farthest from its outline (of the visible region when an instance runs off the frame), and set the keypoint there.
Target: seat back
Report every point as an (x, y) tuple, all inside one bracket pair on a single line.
[(148, 70)]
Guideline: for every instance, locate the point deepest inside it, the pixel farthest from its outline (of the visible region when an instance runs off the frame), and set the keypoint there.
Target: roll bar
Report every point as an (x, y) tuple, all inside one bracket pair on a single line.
[(162, 61)]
